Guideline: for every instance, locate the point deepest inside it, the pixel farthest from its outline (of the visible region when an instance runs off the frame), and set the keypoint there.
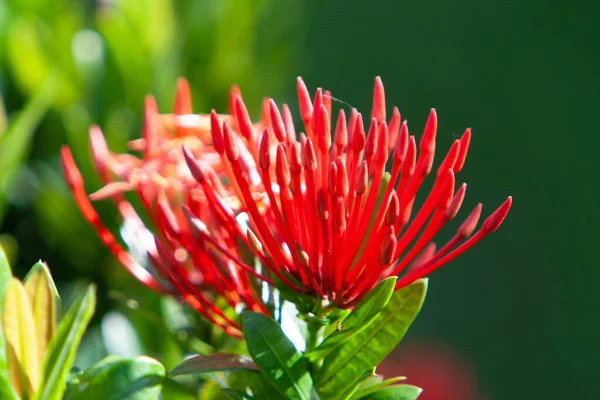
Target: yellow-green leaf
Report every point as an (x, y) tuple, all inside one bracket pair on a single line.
[(19, 333), (43, 298), (6, 391)]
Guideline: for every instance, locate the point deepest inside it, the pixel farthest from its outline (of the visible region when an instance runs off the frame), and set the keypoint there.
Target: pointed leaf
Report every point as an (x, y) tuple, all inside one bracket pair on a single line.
[(114, 378), (43, 298), (213, 362), (61, 351), (344, 369), (366, 388), (6, 391), (360, 317), (398, 392), (276, 357), (19, 333)]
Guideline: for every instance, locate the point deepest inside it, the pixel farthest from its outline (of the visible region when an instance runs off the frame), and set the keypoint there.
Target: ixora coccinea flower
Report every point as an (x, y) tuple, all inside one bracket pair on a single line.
[(322, 215)]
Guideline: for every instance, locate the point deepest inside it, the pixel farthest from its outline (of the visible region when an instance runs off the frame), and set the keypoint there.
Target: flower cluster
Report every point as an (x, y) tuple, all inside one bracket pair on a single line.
[(322, 214)]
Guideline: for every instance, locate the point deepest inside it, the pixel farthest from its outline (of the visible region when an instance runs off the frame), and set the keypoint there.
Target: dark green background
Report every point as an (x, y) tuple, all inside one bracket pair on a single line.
[(520, 307)]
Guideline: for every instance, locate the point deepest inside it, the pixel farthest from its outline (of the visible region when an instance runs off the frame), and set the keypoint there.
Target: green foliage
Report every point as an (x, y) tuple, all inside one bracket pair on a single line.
[(276, 357), (348, 365), (213, 362), (114, 378), (398, 392), (6, 391)]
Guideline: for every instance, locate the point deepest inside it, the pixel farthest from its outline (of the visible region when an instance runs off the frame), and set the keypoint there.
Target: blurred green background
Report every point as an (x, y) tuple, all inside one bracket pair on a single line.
[(519, 310)]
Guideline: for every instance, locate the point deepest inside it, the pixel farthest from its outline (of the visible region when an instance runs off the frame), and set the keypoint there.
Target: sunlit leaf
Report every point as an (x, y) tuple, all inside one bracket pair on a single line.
[(19, 333), (360, 317), (398, 392), (348, 365), (44, 301), (277, 358), (63, 347), (6, 391), (367, 387)]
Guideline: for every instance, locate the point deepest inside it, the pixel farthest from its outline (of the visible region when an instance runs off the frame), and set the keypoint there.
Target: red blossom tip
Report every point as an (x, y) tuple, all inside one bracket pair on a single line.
[(276, 121), (495, 219), (305, 104), (371, 144), (302, 255), (183, 99), (341, 133), (464, 147), (234, 92), (295, 159), (447, 191), (408, 166), (362, 179), (469, 224), (70, 171), (457, 200), (193, 165), (393, 210), (342, 186), (401, 144), (98, 148), (358, 136), (288, 122), (394, 127), (378, 111), (281, 167), (149, 126), (264, 156), (243, 118), (216, 133), (309, 158), (168, 217), (231, 148), (381, 155), (253, 241), (450, 158), (322, 207), (388, 247), (332, 178), (427, 144), (323, 129)]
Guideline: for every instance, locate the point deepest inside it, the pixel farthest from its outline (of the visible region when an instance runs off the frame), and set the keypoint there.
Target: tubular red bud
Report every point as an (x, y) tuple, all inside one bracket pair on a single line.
[(339, 217), (358, 137), (295, 159), (381, 155), (216, 133), (388, 247), (341, 134), (401, 144), (264, 156), (394, 128), (378, 111), (362, 178), (306, 108), (450, 158), (309, 158), (447, 190), (193, 165), (322, 206), (231, 148), (469, 224), (371, 144), (465, 139), (183, 99), (332, 178), (457, 200), (495, 219), (342, 186), (277, 121), (288, 122), (408, 166), (427, 144), (393, 210), (243, 118), (281, 167)]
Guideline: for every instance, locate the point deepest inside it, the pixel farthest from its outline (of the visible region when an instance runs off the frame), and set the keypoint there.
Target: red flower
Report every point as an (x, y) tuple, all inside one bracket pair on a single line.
[(333, 221), (186, 256)]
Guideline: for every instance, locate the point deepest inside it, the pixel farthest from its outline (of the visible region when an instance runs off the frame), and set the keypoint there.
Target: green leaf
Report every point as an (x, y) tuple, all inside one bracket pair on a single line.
[(114, 378), (233, 394), (377, 383), (63, 347), (345, 367), (254, 380), (6, 391), (213, 362), (276, 357), (44, 301), (19, 333), (360, 317), (398, 392)]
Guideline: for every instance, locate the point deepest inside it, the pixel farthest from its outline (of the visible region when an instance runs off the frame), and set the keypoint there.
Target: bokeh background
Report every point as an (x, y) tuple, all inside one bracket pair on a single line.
[(514, 318)]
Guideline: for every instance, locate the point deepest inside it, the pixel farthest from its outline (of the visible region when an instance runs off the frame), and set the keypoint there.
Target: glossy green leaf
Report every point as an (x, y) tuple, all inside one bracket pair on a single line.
[(233, 394), (377, 383), (44, 301), (63, 346), (276, 357), (19, 333), (345, 367), (114, 378), (253, 380), (213, 362), (360, 317), (398, 392), (6, 391)]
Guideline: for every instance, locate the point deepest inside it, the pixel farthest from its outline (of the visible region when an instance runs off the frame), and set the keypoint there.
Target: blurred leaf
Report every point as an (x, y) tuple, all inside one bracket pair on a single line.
[(277, 358), (114, 378), (233, 394), (360, 317), (366, 388), (19, 333), (44, 301), (63, 347), (255, 381), (6, 391), (213, 362), (15, 143), (120, 336), (2, 116), (398, 392), (345, 368)]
